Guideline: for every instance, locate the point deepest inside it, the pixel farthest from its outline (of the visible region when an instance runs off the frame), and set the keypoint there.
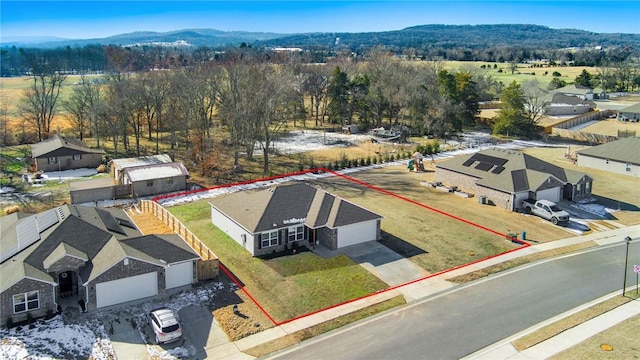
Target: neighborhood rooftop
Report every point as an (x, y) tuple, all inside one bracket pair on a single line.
[(622, 150), (62, 146)]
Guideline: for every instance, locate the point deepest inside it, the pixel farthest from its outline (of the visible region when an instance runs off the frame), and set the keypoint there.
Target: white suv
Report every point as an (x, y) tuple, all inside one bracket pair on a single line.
[(165, 325)]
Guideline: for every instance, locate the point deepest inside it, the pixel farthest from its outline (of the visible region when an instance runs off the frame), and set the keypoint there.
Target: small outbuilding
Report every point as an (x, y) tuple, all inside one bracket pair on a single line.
[(630, 113)]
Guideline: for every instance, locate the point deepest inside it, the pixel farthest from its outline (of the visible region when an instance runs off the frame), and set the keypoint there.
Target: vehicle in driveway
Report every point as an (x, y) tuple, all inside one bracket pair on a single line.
[(546, 210), (165, 325)]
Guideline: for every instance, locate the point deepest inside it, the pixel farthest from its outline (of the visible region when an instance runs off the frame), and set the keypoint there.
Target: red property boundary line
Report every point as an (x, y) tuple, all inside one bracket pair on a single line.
[(369, 186)]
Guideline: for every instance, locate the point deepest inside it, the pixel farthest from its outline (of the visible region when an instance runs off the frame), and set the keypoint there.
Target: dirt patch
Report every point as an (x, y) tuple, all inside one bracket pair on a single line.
[(248, 319), (147, 223)]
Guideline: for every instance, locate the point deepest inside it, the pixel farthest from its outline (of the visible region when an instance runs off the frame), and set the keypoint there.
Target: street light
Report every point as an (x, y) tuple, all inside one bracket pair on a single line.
[(627, 240)]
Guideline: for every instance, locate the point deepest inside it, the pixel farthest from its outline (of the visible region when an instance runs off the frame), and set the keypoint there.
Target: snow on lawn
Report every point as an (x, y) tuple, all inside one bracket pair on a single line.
[(55, 339), (69, 174)]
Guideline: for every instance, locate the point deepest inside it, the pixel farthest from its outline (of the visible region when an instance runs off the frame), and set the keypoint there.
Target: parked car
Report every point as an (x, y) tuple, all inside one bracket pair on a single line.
[(546, 210), (165, 325)]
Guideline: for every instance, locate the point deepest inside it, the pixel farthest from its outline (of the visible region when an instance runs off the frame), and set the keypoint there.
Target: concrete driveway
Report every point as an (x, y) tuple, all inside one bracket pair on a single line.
[(384, 263)]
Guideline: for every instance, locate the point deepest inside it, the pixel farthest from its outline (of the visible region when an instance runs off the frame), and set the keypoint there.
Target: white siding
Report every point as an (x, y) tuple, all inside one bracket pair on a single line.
[(549, 194), (127, 289), (179, 275), (611, 165), (357, 233), (235, 231), (519, 197)]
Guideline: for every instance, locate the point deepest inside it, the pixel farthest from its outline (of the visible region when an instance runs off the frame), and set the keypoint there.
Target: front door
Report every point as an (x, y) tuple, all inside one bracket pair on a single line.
[(65, 282)]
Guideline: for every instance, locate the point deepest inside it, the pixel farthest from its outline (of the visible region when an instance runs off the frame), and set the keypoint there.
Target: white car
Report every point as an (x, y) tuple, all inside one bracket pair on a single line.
[(165, 325)]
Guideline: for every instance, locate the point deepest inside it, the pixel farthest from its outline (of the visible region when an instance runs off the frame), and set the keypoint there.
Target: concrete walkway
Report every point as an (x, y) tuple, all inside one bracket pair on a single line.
[(429, 286)]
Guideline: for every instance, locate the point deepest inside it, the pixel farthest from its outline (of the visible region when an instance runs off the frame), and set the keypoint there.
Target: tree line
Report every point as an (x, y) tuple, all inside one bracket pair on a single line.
[(245, 99)]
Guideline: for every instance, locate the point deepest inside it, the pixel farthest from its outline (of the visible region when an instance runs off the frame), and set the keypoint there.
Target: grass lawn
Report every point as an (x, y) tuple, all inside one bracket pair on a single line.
[(304, 282)]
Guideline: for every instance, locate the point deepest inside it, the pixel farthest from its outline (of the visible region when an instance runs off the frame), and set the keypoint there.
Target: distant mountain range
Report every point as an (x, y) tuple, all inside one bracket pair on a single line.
[(424, 36)]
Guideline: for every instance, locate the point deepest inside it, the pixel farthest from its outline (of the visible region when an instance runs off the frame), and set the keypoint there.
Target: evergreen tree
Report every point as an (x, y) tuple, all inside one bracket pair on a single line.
[(338, 92), (513, 119)]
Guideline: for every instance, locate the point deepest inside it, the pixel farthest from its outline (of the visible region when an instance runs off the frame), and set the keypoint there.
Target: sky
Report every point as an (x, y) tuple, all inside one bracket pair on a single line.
[(96, 19)]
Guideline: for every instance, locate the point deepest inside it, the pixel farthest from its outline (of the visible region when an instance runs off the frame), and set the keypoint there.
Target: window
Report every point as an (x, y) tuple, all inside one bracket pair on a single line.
[(269, 238), (53, 160), (149, 183), (296, 233), (628, 167), (170, 181), (26, 302), (77, 156)]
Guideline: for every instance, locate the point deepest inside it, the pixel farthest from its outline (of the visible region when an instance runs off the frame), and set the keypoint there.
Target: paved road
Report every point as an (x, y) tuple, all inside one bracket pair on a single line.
[(473, 317)]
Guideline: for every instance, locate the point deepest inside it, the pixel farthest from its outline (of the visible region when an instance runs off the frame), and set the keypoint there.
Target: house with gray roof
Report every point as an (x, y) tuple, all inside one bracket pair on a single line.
[(72, 253), (583, 92), (621, 156), (562, 104), (630, 113), (507, 177), (59, 153), (272, 220)]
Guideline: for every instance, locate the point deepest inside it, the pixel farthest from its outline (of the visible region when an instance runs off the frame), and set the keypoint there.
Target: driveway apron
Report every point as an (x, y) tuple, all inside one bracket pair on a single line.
[(384, 263)]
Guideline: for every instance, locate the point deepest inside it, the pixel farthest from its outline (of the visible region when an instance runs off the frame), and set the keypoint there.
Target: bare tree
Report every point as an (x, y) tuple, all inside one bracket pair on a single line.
[(4, 120), (39, 101), (536, 99)]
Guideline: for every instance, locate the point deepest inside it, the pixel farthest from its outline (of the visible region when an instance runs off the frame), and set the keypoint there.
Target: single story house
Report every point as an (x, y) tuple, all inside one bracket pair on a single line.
[(561, 104), (77, 253), (583, 92), (621, 156), (59, 153), (630, 113), (155, 179), (271, 220), (506, 177), (117, 166)]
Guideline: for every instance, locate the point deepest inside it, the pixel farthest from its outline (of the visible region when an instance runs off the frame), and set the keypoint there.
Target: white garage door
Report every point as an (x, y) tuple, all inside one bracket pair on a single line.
[(549, 194), (179, 275), (356, 233), (123, 290)]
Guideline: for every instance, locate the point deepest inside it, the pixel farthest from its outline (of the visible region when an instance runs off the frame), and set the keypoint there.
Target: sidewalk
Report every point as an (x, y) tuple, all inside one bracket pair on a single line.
[(431, 285)]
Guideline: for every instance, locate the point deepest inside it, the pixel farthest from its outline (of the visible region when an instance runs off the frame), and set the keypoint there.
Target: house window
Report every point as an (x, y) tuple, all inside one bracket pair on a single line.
[(628, 167), (53, 160), (269, 238), (26, 301), (77, 156), (296, 233), (149, 183), (170, 181)]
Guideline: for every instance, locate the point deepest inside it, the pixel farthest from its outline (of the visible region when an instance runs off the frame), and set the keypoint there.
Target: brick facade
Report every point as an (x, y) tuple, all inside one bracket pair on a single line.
[(463, 182), (47, 302)]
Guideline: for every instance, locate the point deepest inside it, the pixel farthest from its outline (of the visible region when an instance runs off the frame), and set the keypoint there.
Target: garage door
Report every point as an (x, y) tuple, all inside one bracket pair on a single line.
[(123, 290), (179, 275), (356, 233), (549, 194)]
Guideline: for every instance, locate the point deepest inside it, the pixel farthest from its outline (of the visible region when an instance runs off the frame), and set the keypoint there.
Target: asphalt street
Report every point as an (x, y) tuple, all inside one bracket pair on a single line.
[(471, 317)]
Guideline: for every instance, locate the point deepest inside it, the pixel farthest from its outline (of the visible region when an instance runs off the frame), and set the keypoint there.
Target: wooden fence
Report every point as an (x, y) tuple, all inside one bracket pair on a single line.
[(209, 264)]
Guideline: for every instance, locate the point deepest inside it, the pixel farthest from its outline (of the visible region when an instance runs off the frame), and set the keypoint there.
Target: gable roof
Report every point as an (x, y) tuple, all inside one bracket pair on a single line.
[(281, 206), (155, 171), (62, 147), (578, 89), (511, 171), (623, 150), (99, 236), (563, 99), (124, 163), (635, 109)]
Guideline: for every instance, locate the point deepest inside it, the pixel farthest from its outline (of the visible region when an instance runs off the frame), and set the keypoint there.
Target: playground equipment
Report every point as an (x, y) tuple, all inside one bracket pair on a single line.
[(415, 164)]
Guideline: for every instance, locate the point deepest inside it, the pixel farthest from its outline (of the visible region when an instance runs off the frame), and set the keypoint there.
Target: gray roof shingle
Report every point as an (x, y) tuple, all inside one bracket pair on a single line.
[(62, 147), (277, 207), (511, 171), (623, 150)]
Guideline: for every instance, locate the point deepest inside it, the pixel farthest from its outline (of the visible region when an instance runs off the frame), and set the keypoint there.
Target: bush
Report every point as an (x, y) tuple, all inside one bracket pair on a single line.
[(368, 160), (312, 165), (556, 74), (363, 162), (11, 209), (375, 160), (336, 165), (9, 322), (102, 168), (436, 147)]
